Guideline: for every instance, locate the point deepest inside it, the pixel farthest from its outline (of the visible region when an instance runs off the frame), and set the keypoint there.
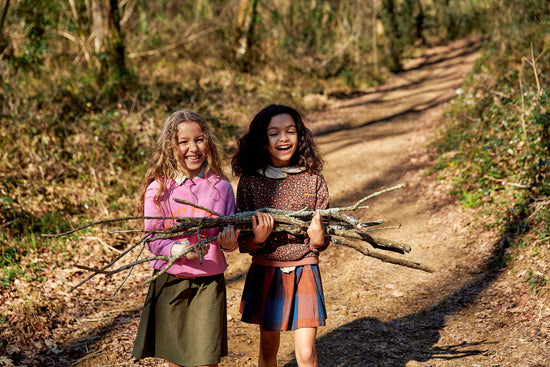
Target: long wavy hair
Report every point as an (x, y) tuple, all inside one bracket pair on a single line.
[(167, 161), (252, 153)]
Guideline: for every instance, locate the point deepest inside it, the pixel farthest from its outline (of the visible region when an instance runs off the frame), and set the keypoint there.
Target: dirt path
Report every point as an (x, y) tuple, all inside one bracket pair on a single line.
[(387, 315), (378, 314)]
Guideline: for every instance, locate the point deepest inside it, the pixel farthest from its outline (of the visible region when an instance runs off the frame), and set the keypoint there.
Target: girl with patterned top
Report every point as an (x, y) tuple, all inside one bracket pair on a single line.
[(184, 319), (279, 167)]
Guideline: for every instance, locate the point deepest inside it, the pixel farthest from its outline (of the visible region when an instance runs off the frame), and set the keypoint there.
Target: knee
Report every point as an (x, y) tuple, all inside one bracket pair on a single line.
[(306, 356), (269, 349)]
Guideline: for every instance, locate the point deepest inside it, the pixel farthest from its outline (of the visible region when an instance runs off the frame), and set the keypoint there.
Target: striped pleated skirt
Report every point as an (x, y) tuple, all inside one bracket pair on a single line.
[(280, 301)]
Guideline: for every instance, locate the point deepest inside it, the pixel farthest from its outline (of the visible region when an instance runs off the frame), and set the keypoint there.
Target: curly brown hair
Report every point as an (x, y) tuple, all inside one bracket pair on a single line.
[(166, 160), (252, 153)]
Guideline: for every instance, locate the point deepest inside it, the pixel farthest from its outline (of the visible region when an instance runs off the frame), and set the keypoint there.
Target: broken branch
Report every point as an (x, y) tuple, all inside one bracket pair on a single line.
[(343, 229), (362, 248)]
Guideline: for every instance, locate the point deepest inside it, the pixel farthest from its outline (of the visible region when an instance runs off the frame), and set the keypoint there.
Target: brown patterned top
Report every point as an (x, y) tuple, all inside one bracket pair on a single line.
[(297, 191)]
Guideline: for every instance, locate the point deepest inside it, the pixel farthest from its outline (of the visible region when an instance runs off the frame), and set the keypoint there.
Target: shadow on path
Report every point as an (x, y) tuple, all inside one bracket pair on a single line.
[(422, 87), (370, 342)]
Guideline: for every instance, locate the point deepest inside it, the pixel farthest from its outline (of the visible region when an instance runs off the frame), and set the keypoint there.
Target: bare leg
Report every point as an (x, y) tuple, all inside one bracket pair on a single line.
[(304, 345), (269, 346)]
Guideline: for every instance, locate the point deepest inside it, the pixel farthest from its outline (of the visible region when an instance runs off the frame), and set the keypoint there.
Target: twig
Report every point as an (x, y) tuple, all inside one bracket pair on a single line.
[(536, 242), (198, 206), (142, 240), (129, 273), (522, 115), (388, 227), (170, 259), (500, 94), (373, 240), (535, 69), (365, 251), (504, 182), (533, 63), (105, 221), (356, 205)]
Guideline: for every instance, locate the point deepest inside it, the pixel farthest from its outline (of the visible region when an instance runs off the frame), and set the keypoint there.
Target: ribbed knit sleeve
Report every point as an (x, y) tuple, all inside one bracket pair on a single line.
[(159, 247), (213, 193)]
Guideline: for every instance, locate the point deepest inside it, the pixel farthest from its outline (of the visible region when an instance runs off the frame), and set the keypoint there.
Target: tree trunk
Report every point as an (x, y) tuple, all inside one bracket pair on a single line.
[(116, 39), (244, 40), (391, 28), (4, 42), (108, 40), (98, 26), (419, 22), (375, 36)]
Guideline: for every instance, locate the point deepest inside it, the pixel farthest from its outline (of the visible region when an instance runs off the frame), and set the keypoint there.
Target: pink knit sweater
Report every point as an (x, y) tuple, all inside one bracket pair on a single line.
[(213, 193)]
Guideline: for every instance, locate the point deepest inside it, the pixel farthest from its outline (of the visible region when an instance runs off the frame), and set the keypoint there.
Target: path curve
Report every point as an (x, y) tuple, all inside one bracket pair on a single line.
[(376, 140), (382, 314)]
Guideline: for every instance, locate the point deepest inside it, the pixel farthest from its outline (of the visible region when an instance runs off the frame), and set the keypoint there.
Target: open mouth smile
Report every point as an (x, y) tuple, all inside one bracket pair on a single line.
[(194, 158)]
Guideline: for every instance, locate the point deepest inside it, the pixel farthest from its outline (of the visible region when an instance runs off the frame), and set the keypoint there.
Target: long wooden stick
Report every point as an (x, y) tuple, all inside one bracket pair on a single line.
[(362, 248)]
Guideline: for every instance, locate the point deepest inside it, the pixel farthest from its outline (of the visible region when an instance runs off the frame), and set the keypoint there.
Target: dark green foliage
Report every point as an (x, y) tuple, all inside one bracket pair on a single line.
[(461, 19), (498, 136), (409, 23), (397, 39), (38, 18)]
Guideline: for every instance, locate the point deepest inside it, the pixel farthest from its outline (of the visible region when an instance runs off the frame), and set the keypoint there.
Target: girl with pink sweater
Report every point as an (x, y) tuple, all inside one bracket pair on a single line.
[(184, 317)]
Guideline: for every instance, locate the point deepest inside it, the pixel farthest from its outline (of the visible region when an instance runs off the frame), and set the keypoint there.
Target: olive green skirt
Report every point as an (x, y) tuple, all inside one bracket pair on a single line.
[(184, 321)]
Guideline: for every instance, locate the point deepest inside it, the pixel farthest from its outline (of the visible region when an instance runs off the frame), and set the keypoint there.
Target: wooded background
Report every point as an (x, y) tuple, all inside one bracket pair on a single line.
[(86, 84)]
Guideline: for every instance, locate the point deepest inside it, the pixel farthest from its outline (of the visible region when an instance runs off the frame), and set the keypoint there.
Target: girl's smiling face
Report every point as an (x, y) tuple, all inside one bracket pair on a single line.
[(192, 147), (282, 139)]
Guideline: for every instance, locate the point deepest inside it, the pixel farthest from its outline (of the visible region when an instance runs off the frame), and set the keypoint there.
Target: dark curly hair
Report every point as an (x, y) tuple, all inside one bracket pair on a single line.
[(252, 153)]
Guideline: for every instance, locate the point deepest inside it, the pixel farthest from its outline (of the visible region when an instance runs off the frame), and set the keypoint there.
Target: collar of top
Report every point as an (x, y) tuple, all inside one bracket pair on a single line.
[(278, 173), (180, 177)]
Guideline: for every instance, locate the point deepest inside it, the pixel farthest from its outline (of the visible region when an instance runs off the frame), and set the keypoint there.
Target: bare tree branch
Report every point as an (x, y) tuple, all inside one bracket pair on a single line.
[(362, 248), (342, 228)]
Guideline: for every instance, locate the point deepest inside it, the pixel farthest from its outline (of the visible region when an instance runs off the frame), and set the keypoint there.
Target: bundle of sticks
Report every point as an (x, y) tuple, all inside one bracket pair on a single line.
[(342, 228)]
